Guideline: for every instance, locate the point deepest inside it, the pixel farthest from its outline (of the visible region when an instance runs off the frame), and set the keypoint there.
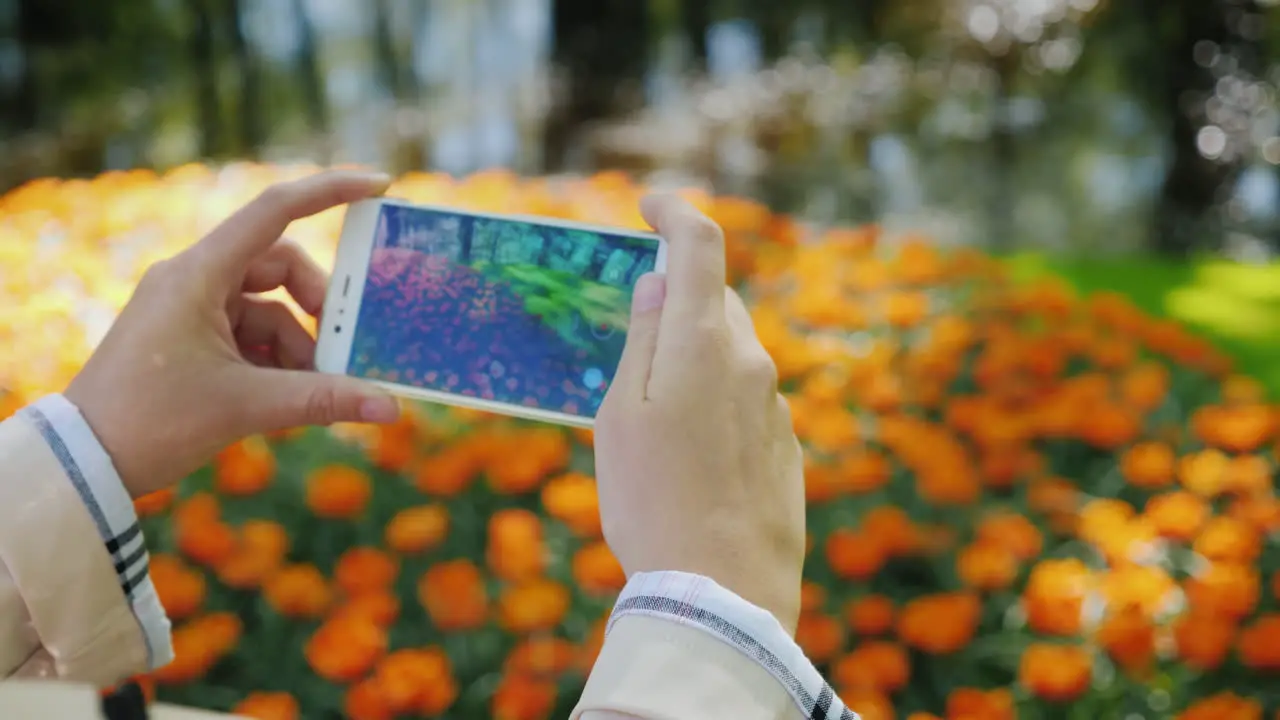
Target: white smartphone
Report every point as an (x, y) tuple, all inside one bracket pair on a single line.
[(517, 315)]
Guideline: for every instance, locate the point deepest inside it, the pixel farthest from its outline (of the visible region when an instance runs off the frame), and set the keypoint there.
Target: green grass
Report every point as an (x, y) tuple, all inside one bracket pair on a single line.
[(1237, 307)]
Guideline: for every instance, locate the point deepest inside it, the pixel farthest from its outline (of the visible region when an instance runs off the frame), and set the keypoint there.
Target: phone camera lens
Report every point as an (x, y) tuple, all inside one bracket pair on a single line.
[(337, 328)]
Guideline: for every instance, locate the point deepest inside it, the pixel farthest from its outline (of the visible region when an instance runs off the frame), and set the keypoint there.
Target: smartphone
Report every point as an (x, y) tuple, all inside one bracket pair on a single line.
[(517, 315)]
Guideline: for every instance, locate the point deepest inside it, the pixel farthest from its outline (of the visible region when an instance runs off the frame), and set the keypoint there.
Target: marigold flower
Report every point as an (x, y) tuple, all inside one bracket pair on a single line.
[(338, 492), (416, 681), (1203, 640), (1057, 673), (454, 595), (868, 703), (244, 468), (985, 704), (1148, 465), (268, 706), (821, 636), (572, 499), (538, 604), (520, 697), (1054, 596), (450, 471), (940, 624), (364, 569), (1178, 515), (181, 589), (1259, 644), (870, 615), (344, 648), (417, 529), (855, 555), (1226, 589), (1129, 637), (876, 665), (515, 550), (596, 570), (298, 591), (1223, 706), (543, 657)]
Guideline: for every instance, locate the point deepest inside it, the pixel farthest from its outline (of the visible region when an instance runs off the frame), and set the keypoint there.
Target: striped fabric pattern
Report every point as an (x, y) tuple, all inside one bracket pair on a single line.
[(698, 602), (89, 470)]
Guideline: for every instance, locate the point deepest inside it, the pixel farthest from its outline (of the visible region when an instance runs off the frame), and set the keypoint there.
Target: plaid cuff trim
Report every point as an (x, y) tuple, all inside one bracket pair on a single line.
[(94, 477), (698, 602)]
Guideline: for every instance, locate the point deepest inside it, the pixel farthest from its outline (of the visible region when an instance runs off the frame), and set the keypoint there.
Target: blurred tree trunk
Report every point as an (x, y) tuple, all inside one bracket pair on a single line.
[(1192, 186), (313, 91), (251, 125), (205, 72), (602, 47), (384, 46)]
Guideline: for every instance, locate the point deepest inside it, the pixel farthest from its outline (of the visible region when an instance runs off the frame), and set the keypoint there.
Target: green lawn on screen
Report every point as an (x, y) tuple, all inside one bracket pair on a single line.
[(1235, 306)]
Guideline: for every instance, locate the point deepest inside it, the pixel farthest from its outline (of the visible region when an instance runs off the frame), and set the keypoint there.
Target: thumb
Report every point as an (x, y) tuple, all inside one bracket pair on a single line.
[(642, 334), (296, 398)]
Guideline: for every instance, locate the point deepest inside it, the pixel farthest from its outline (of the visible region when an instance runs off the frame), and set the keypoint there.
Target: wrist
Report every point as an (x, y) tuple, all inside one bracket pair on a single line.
[(105, 432)]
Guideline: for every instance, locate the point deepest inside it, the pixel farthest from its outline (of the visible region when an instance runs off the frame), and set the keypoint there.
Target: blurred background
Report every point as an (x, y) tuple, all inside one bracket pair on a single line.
[(1086, 127)]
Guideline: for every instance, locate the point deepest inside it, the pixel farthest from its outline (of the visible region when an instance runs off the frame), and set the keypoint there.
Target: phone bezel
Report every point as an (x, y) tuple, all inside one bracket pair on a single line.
[(346, 291)]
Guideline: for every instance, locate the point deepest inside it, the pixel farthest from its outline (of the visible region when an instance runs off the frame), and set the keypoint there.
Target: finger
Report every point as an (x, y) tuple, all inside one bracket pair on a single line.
[(280, 399), (285, 264), (271, 325), (231, 246), (632, 380), (696, 265), (761, 371)]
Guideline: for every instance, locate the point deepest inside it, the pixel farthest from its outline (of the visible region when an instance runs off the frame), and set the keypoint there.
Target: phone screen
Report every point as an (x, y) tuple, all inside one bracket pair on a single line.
[(500, 310)]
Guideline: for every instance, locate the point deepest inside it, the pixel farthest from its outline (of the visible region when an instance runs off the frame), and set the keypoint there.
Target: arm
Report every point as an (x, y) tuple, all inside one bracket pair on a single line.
[(681, 646), (76, 600)]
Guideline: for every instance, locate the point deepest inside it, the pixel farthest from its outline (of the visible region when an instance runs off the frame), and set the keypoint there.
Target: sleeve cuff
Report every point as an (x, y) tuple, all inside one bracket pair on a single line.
[(698, 602), (94, 477)]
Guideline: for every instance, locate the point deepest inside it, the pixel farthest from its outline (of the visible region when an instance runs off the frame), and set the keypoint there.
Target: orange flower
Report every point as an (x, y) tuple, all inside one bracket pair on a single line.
[(1145, 386), (975, 704), (181, 589), (244, 468), (520, 697), (1054, 596), (855, 555), (1057, 673), (1203, 640), (209, 543), (380, 606), (542, 657), (364, 569), (821, 636), (865, 471), (260, 551), (155, 503), (1223, 706), (813, 597), (1129, 638), (1146, 588), (1109, 426), (268, 706), (1259, 644), (1249, 475), (338, 492), (1178, 515), (417, 529), (571, 498), (344, 648), (870, 615), (596, 570), (1204, 473), (394, 444), (515, 550), (1014, 533), (454, 595), (893, 529), (940, 624), (1229, 590), (298, 591), (198, 646), (451, 470), (1148, 465), (877, 665), (416, 681), (534, 605), (1228, 539), (984, 565), (525, 458), (364, 701), (869, 704), (1238, 429)]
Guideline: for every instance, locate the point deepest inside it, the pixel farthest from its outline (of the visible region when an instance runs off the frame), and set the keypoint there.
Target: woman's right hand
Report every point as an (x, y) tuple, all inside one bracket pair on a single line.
[(698, 466)]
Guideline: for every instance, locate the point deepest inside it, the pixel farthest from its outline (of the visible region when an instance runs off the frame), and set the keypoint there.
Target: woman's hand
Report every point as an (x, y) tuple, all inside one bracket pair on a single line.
[(698, 466), (198, 360)]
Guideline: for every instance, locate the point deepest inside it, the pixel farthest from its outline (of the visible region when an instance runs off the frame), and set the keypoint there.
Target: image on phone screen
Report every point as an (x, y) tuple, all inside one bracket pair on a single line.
[(505, 311)]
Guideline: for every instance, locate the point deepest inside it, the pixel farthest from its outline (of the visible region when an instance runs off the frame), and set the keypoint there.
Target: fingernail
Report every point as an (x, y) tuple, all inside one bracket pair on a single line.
[(650, 292), (379, 409)]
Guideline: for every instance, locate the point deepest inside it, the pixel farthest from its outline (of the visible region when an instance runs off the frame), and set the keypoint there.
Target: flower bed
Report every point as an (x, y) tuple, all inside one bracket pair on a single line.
[(1022, 503)]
